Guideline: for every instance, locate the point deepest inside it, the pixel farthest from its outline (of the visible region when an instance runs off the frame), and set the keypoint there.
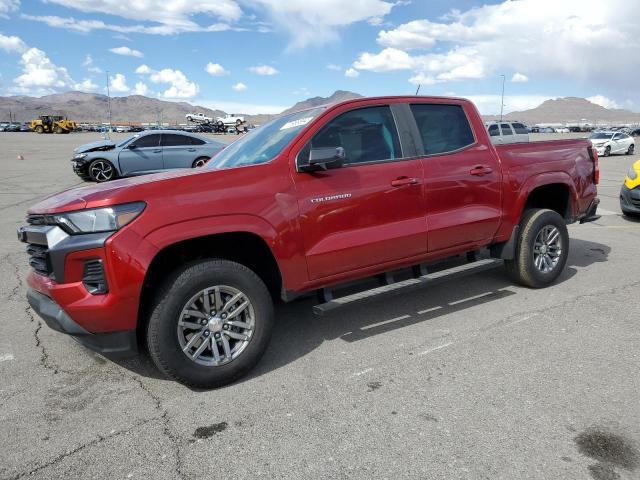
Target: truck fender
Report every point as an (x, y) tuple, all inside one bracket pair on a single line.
[(540, 180)]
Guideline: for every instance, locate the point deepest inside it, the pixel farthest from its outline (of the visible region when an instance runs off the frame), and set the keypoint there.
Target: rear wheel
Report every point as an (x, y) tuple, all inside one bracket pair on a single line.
[(102, 171), (631, 149), (210, 323), (57, 129), (199, 162), (541, 250)]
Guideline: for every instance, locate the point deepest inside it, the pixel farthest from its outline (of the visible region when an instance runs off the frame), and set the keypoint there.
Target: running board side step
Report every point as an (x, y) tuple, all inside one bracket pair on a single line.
[(331, 303)]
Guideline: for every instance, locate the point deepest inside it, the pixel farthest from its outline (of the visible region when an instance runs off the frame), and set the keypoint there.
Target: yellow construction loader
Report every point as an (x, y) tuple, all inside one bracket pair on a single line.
[(52, 124)]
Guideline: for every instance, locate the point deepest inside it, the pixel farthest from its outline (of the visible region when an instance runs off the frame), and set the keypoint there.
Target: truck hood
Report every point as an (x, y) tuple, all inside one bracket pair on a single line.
[(94, 146), (97, 195)]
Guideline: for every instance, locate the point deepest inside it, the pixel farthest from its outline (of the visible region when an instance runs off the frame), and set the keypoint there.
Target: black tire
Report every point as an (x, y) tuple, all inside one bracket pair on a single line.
[(522, 268), (39, 129), (631, 149), (199, 162), (57, 129), (101, 165), (162, 338), (607, 151)]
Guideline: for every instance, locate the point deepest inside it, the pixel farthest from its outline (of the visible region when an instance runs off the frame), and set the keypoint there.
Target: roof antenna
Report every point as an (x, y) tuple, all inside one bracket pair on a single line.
[(418, 89)]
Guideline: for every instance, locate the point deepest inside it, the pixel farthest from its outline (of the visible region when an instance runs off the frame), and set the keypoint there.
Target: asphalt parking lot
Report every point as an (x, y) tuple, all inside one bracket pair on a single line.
[(475, 379)]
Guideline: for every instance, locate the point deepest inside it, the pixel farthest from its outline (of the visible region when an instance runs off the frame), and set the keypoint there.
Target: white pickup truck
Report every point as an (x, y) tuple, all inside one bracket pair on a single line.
[(507, 132)]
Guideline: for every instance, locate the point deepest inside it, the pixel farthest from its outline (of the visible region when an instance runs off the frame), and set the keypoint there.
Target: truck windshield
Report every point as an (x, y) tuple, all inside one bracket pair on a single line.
[(601, 136), (264, 143)]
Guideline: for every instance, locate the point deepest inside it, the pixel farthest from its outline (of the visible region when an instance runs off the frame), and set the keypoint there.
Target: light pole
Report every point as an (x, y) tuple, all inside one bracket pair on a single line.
[(109, 102), (502, 98)]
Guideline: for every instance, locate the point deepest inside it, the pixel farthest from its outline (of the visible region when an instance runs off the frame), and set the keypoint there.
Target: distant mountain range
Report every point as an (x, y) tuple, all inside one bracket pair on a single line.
[(92, 108), (571, 110)]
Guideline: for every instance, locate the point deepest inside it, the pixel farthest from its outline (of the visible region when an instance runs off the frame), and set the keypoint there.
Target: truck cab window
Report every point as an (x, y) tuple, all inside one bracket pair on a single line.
[(443, 128), (367, 135), (506, 129)]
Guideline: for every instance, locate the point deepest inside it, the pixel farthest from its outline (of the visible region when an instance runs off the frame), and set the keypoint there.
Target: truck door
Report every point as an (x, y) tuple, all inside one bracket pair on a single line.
[(463, 179), (368, 212), (142, 155)]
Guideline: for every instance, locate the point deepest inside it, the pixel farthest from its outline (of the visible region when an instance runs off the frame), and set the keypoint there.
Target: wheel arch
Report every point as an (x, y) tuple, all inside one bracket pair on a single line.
[(554, 191)]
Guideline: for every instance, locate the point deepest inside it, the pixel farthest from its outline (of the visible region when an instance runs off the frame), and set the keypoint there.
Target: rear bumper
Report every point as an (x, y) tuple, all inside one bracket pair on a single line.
[(119, 344), (590, 215), (630, 200)]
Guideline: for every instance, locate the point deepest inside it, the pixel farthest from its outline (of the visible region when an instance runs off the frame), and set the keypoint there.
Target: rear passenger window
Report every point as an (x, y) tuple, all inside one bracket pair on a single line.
[(506, 129), (196, 141), (443, 128), (174, 140), (367, 135), (494, 131), (520, 129)]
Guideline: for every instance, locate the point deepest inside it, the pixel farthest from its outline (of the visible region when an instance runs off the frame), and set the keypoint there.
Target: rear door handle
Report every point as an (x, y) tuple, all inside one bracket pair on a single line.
[(402, 181), (480, 170), (191, 149)]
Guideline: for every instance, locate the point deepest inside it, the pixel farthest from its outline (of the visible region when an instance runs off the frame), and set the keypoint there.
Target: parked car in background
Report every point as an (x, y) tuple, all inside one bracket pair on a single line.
[(146, 152), (561, 130), (630, 192), (607, 143), (198, 117), (507, 132), (122, 128), (635, 132)]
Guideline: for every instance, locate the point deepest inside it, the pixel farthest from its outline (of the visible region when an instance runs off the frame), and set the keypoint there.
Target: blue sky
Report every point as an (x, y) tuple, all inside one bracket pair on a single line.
[(256, 56)]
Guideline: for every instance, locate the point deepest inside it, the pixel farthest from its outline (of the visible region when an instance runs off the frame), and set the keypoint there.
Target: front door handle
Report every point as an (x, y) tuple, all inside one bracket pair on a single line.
[(157, 151), (402, 181), (480, 170), (191, 149)]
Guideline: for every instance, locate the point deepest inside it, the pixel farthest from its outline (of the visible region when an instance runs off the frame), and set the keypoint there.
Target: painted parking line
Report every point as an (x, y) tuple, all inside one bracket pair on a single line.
[(6, 357), (439, 347), (602, 211)]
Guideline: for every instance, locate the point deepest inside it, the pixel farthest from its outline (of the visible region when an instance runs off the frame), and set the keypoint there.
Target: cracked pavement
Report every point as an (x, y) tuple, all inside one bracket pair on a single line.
[(473, 379)]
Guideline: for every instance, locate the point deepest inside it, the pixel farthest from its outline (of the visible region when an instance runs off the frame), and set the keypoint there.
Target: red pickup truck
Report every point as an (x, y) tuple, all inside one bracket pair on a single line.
[(190, 262)]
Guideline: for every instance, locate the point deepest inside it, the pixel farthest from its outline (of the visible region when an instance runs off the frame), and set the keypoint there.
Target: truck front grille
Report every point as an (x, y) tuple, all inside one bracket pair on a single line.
[(39, 259)]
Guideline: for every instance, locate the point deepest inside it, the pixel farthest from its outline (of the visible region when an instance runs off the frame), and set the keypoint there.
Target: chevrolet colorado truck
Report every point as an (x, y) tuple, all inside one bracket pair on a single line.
[(188, 263)]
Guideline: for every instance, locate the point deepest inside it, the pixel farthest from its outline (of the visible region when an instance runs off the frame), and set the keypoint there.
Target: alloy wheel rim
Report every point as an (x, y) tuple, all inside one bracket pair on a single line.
[(101, 171), (200, 163), (547, 249), (216, 325)]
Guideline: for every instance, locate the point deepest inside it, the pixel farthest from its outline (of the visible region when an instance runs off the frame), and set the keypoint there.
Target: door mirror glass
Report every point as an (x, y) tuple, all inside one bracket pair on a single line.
[(132, 146), (325, 158)]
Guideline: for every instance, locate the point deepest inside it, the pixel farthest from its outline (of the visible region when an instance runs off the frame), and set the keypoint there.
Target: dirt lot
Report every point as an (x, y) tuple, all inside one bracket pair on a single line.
[(473, 379)]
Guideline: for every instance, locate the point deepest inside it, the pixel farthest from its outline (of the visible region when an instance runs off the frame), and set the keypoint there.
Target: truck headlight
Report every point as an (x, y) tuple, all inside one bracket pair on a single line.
[(632, 174), (107, 219)]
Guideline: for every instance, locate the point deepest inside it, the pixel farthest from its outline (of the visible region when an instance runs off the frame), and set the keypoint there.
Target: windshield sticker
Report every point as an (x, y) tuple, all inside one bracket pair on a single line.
[(296, 123)]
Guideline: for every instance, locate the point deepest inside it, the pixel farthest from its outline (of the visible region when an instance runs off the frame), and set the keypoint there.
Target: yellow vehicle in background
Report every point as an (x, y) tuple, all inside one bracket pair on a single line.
[(630, 192), (52, 124)]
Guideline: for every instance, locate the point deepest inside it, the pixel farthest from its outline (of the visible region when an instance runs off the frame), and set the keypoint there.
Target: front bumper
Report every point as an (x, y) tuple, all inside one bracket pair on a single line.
[(118, 344), (630, 200), (81, 168)]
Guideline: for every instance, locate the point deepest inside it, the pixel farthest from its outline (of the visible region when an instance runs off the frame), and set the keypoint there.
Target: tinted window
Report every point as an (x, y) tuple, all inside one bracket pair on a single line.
[(443, 128), (196, 141), (367, 135), (506, 129), (494, 131), (147, 141), (173, 140), (520, 128)]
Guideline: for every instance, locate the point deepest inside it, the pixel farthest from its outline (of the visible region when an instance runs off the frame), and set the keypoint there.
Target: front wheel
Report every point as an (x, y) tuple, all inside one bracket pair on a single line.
[(542, 249), (631, 149), (199, 162), (607, 151), (102, 171), (210, 323)]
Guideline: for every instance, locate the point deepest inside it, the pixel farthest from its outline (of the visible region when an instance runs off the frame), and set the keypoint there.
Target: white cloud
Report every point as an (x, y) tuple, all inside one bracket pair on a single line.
[(141, 89), (519, 78), (319, 21), (388, 60), (179, 85), (351, 73), (334, 67), (302, 91), (143, 70), (246, 108), (263, 70), (216, 70), (239, 87), (603, 101), (8, 6), (565, 40), (88, 63), (156, 16), (12, 44), (86, 85), (40, 74), (127, 52), (118, 83)]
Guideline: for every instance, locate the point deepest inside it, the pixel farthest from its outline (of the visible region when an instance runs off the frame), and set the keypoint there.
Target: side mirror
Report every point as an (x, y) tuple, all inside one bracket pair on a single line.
[(132, 146), (325, 158)]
